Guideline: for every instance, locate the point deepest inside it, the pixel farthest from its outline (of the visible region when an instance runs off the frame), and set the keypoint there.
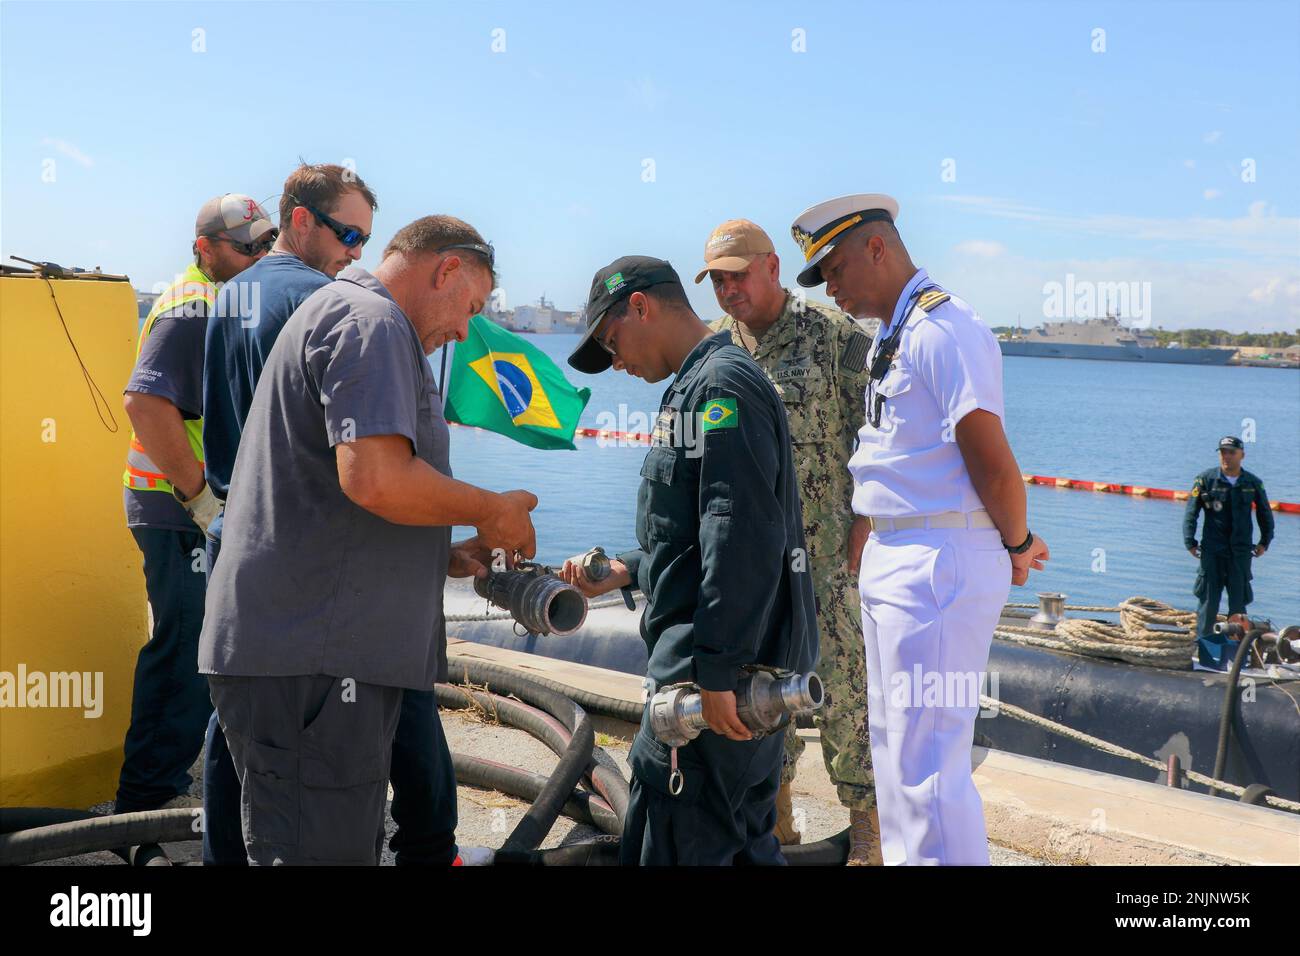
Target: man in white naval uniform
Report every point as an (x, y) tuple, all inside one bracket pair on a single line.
[(934, 472)]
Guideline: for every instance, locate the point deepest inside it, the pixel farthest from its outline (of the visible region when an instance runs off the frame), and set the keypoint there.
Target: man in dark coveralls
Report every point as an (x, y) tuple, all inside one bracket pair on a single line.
[(722, 563), (1225, 494)]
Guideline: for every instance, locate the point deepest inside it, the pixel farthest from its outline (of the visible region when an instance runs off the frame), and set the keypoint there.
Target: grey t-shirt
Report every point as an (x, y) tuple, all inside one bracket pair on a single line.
[(308, 581)]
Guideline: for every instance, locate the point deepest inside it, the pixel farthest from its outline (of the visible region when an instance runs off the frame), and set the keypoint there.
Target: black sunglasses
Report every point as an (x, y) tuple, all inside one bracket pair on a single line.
[(483, 249), (250, 248), (348, 235)]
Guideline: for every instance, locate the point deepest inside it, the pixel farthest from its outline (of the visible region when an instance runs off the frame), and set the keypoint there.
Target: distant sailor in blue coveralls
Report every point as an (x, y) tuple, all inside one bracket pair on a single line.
[(1226, 495), (934, 472)]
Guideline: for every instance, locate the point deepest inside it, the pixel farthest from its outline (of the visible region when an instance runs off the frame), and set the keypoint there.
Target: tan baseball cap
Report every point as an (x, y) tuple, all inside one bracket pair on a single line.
[(733, 246)]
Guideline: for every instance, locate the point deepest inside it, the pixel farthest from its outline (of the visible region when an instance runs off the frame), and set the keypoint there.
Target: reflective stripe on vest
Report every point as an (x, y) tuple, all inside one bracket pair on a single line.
[(141, 473)]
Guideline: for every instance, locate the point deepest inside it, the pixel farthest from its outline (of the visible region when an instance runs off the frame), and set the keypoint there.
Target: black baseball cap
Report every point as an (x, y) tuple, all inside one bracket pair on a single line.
[(612, 284), (1230, 441)]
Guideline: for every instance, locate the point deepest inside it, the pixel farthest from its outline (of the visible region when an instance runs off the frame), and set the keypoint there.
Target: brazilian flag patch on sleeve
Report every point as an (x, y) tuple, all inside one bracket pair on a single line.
[(719, 413)]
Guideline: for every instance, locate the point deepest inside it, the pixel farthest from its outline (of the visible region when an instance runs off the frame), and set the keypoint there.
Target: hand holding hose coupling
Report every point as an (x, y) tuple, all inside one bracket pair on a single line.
[(764, 699), (595, 573), (538, 598)]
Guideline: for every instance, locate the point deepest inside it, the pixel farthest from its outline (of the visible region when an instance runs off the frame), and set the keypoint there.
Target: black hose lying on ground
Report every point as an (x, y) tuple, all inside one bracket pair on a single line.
[(487, 672), (602, 851), (529, 833), (498, 678), (582, 806), (96, 833), (14, 819), (605, 777)]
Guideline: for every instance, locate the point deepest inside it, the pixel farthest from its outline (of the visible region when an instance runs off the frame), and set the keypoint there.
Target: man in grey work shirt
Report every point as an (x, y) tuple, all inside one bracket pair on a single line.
[(327, 601)]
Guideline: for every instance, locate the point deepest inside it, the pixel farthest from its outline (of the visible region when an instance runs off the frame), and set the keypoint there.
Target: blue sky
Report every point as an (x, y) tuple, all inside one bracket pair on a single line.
[(1121, 165)]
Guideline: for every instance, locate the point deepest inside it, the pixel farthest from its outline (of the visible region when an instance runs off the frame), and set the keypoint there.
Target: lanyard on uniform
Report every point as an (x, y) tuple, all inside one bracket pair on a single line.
[(885, 358)]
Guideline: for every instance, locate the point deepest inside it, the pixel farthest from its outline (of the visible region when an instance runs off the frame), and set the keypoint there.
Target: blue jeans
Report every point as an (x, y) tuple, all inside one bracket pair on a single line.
[(424, 786), (169, 699)]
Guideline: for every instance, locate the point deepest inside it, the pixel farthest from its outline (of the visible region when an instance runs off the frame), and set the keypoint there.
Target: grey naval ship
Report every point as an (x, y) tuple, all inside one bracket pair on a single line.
[(1105, 339)]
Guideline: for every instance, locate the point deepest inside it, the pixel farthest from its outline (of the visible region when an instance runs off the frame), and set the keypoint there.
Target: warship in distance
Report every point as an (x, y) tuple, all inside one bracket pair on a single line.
[(1105, 339)]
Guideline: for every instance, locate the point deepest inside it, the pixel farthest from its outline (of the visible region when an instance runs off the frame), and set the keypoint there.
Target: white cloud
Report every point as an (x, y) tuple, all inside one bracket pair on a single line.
[(1207, 293), (1214, 136), (982, 248), (1288, 290), (1189, 163), (1211, 194), (69, 150), (1257, 233)]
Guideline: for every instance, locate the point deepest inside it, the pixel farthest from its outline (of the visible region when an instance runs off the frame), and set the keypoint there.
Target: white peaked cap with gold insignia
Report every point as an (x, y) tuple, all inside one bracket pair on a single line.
[(819, 227)]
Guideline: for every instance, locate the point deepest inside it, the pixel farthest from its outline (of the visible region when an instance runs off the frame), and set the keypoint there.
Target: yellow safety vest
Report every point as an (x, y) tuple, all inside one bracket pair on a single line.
[(141, 473)]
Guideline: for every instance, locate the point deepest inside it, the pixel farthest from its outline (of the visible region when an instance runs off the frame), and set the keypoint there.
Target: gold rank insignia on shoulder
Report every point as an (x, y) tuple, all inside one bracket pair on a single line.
[(932, 298), (853, 357)]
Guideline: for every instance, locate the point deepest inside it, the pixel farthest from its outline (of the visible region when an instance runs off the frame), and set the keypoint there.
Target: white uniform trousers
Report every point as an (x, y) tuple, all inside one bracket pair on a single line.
[(930, 601)]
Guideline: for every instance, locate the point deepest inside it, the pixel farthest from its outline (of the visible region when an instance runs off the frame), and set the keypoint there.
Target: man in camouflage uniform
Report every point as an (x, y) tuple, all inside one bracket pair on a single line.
[(815, 356)]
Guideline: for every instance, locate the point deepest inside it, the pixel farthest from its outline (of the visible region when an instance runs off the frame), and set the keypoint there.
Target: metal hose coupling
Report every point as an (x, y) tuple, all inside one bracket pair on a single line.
[(1277, 647), (766, 698), (539, 601)]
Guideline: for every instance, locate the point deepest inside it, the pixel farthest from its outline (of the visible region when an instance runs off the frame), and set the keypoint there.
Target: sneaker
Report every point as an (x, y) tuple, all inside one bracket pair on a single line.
[(474, 856)]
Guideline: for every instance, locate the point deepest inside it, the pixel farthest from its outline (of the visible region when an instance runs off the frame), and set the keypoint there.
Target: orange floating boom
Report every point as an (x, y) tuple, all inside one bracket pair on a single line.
[(1285, 507)]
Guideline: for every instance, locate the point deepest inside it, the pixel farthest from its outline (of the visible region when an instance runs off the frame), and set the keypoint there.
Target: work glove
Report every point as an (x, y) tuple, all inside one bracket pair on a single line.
[(203, 507)]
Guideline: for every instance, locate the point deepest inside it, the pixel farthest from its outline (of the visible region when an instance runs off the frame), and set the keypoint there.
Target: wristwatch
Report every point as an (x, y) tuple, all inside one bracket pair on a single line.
[(1023, 546)]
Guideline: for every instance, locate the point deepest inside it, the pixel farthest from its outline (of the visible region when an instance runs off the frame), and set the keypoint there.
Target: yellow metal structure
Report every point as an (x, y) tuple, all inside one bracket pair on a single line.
[(72, 600)]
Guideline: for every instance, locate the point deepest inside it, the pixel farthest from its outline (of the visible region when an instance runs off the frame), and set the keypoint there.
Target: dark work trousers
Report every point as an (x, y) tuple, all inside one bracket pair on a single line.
[(169, 700), (313, 755), (424, 786), (1221, 569), (725, 813)]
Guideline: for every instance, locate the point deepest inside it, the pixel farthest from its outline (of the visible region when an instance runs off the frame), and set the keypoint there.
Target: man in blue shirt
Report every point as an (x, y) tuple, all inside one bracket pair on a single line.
[(322, 209)]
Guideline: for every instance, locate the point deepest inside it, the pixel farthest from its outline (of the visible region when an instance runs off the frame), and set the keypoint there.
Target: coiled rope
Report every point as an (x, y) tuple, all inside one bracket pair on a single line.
[(1137, 639)]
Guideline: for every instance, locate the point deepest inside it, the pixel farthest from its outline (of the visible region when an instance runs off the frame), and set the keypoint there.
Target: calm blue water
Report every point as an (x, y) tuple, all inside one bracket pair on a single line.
[(1102, 421)]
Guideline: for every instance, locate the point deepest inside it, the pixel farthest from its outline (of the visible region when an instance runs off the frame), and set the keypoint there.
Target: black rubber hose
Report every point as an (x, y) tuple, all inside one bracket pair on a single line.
[(100, 833), (833, 851), (605, 775), (1229, 709), (592, 703), (514, 713), (541, 816), (606, 778), (602, 851), (581, 806), (13, 819), (150, 854), (1256, 794), (529, 833)]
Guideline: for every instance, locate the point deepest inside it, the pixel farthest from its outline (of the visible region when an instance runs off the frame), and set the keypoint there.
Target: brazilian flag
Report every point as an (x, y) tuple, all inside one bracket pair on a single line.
[(501, 383)]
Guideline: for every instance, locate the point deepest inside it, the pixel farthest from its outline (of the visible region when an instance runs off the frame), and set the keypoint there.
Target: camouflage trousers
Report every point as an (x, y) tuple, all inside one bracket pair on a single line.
[(842, 720)]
